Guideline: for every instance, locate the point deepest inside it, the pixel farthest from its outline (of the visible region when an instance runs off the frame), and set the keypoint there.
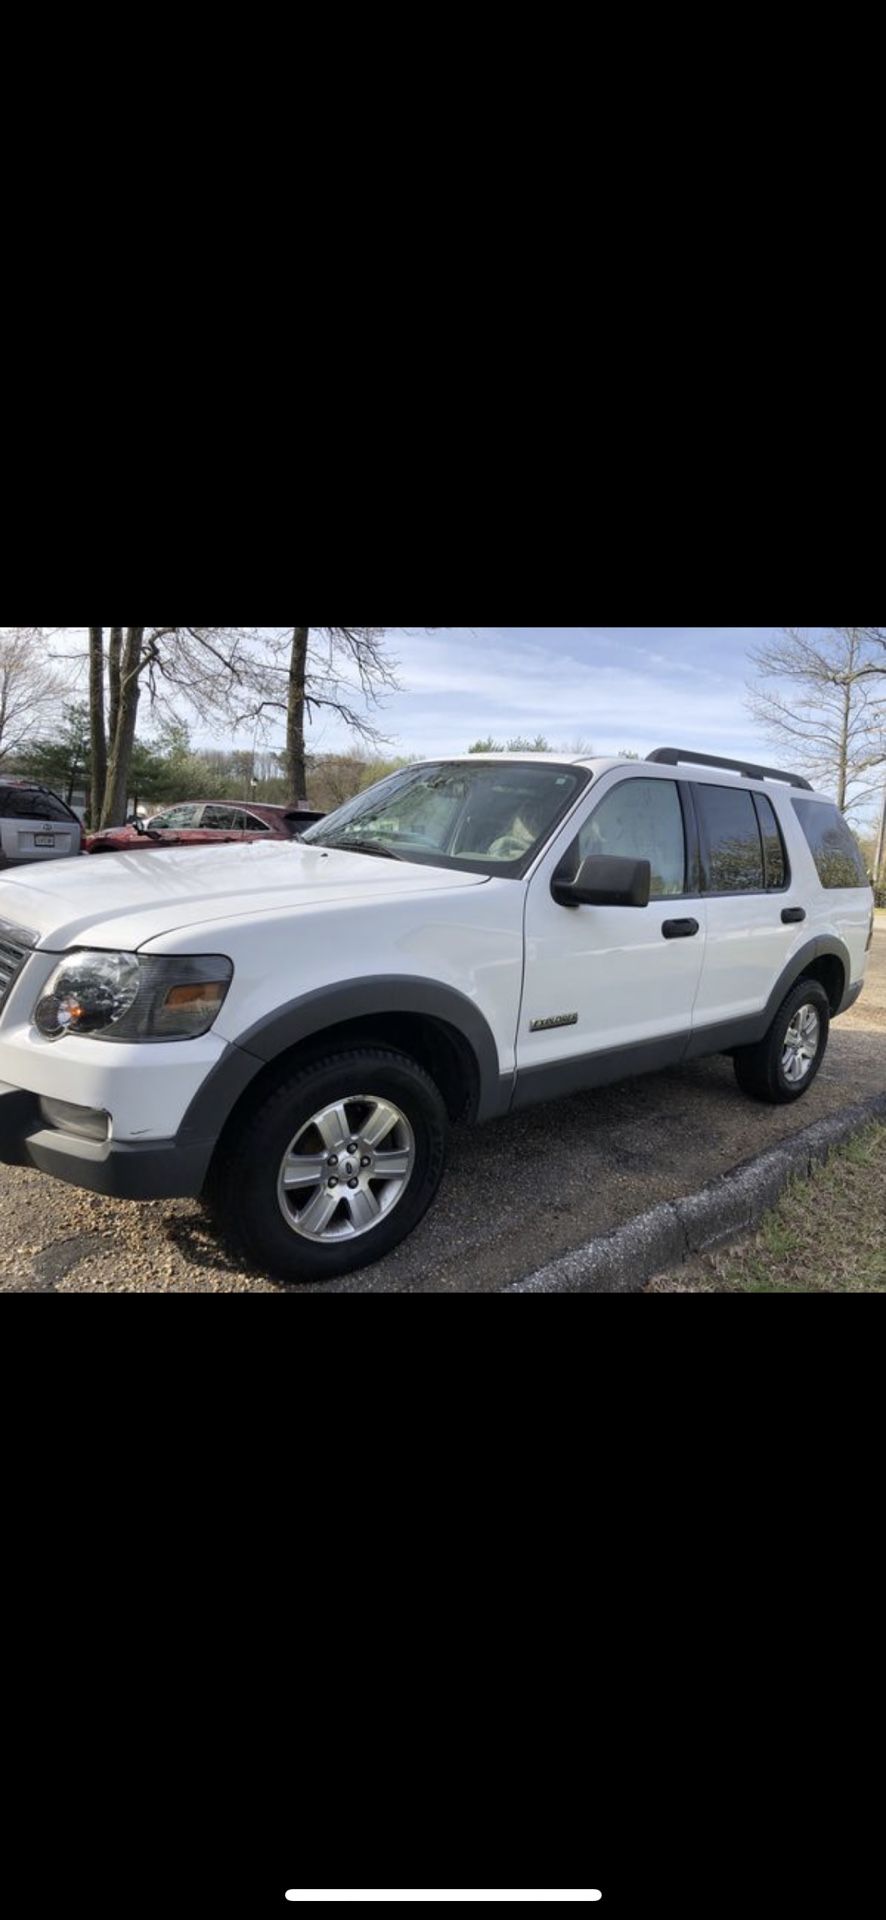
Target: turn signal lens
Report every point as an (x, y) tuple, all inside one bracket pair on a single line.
[(210, 994)]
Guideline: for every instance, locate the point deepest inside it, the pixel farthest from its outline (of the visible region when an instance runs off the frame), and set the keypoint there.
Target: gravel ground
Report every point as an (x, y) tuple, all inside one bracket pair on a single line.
[(517, 1193)]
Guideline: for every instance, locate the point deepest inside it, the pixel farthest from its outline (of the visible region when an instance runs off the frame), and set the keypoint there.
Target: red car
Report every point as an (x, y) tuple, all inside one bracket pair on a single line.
[(197, 822)]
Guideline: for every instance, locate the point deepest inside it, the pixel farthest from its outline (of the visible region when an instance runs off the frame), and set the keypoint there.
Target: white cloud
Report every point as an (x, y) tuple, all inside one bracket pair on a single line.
[(462, 684)]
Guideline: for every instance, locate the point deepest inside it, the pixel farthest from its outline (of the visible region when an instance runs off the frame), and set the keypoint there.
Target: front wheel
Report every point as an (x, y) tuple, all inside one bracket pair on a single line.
[(336, 1167), (783, 1065)]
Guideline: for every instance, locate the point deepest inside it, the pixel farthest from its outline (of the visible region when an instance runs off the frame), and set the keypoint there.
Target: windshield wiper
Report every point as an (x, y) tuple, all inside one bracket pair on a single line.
[(361, 846)]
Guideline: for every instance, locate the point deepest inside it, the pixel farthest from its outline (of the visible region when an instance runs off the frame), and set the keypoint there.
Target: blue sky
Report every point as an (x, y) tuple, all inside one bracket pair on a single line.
[(618, 687)]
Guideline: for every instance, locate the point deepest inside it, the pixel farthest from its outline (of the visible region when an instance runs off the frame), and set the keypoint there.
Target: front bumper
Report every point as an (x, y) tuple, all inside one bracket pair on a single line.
[(144, 1170)]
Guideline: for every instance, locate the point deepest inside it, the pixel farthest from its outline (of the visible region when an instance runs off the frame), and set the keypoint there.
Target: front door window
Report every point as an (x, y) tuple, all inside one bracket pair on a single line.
[(641, 820)]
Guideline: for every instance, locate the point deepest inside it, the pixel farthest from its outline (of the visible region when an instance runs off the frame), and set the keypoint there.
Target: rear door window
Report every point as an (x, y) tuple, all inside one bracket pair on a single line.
[(732, 851), (222, 819), (641, 820), (837, 857)]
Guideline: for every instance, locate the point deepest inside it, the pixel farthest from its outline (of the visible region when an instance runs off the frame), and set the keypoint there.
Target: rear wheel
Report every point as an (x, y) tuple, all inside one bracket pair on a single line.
[(783, 1065), (335, 1168)]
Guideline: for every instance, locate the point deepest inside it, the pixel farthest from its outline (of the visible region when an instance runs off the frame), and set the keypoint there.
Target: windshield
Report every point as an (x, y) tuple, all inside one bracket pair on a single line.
[(489, 819)]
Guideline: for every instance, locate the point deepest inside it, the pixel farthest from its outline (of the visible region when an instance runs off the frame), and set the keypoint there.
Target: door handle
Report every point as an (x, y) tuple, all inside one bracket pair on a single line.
[(679, 929), (791, 915)]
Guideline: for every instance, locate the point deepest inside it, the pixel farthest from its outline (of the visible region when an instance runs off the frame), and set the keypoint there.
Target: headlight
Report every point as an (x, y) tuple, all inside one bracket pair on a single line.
[(129, 996)]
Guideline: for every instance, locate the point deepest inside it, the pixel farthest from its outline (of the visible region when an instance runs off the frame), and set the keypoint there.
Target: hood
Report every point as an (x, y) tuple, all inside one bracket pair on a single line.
[(123, 900)]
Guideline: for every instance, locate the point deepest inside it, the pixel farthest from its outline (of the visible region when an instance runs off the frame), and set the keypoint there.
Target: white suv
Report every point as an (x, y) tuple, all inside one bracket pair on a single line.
[(290, 1028)]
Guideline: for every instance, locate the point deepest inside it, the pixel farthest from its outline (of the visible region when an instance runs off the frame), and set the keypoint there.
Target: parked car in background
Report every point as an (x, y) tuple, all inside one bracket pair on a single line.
[(35, 824), (196, 822)]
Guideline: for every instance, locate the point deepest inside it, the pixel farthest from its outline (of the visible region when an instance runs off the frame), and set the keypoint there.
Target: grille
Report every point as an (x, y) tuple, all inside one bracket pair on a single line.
[(13, 954)]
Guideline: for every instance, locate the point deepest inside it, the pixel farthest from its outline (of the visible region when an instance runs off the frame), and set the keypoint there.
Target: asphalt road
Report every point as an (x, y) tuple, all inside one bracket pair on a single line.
[(517, 1193)]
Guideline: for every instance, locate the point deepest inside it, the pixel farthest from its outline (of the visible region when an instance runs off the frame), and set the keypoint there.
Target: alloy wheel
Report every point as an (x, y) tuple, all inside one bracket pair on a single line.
[(346, 1169), (801, 1044)]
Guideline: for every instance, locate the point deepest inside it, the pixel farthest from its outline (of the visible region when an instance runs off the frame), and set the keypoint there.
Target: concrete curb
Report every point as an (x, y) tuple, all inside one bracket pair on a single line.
[(623, 1261)]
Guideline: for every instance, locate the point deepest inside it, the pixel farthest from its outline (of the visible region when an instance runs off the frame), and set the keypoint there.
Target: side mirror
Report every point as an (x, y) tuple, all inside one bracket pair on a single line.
[(605, 880)]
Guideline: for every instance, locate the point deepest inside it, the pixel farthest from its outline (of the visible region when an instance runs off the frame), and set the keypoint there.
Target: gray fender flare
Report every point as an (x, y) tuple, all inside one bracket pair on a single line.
[(329, 1007), (823, 944)]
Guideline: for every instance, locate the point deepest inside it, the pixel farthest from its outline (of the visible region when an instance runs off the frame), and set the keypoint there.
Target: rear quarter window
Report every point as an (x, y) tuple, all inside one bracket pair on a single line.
[(27, 804), (838, 860)]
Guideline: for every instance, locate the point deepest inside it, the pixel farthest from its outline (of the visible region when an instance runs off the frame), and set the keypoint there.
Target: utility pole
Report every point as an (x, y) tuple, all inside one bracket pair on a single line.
[(881, 848)]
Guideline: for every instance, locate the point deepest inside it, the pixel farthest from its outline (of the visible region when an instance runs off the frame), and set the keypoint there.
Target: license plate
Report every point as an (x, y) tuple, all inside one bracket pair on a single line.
[(44, 839)]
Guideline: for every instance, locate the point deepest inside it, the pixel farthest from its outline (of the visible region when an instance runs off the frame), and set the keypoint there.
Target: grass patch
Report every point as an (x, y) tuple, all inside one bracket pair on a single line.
[(826, 1235)]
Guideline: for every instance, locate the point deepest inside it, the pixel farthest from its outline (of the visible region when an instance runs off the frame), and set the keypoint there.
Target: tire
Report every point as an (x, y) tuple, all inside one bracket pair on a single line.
[(779, 1068), (262, 1192)]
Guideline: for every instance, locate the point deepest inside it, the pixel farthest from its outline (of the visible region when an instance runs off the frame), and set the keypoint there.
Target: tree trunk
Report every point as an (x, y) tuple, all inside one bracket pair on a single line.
[(4, 707), (120, 762), (115, 653), (97, 733), (296, 770)]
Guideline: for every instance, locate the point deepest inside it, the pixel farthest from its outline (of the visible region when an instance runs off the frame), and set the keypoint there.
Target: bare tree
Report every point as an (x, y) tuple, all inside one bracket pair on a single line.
[(334, 778), (211, 669), (231, 674), (820, 699), (207, 669), (30, 687), (338, 670), (132, 667), (296, 708)]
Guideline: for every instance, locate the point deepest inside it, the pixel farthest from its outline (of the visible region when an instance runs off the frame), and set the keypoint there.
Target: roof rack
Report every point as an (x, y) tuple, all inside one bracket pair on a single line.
[(675, 757)]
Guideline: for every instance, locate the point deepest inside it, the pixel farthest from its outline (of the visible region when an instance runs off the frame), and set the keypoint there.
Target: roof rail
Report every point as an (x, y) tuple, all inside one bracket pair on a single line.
[(30, 786), (676, 756)]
